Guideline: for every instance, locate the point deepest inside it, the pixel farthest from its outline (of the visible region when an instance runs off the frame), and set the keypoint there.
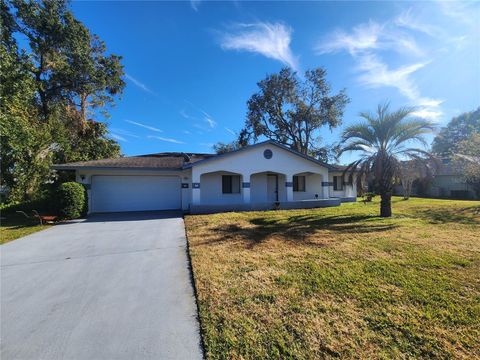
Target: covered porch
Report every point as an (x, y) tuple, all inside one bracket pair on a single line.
[(224, 190)]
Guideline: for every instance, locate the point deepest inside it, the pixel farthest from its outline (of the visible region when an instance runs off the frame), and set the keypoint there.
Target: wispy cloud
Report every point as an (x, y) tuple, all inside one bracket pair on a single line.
[(170, 140), (186, 132), (408, 20), (370, 36), (124, 132), (145, 126), (428, 114), (363, 37), (139, 84), (210, 145), (211, 123), (375, 73), (366, 42), (118, 137), (271, 40), (206, 123), (194, 4), (199, 126), (184, 114), (230, 131), (463, 11)]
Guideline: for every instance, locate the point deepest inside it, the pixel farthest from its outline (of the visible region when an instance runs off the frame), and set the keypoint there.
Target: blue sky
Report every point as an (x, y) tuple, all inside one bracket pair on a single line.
[(191, 66)]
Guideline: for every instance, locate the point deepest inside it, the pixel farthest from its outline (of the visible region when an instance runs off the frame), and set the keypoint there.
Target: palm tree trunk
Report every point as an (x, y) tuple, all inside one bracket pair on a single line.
[(386, 204)]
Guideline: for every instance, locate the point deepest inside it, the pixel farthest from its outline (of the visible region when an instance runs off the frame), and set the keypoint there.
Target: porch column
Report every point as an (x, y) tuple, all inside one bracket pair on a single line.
[(325, 185), (289, 186), (246, 188), (195, 187)]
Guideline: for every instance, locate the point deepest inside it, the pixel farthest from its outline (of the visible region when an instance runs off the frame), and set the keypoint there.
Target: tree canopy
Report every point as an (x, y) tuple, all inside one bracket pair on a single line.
[(53, 92), (468, 157), (291, 110), (458, 129)]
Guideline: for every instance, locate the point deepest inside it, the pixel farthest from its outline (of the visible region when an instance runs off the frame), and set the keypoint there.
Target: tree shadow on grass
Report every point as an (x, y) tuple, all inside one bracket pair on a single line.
[(298, 229), (17, 222), (469, 215)]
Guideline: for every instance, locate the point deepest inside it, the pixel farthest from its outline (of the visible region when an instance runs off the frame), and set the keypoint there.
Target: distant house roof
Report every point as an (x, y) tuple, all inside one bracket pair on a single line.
[(340, 167), (171, 160), (449, 167)]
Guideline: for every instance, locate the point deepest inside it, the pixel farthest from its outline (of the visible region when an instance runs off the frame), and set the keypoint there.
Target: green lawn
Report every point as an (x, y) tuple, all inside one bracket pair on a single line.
[(14, 226), (340, 282)]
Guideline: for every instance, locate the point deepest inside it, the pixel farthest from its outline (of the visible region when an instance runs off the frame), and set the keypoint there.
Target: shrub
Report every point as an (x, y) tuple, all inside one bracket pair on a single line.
[(72, 200), (43, 204)]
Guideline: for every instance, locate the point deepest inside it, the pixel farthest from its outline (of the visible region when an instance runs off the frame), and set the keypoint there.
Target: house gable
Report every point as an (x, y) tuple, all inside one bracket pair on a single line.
[(268, 156), (271, 147)]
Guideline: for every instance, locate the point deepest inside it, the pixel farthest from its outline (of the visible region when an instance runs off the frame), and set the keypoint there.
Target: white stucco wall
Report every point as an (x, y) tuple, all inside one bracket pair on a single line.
[(252, 161), (211, 190), (253, 168), (313, 185), (185, 176), (348, 190)]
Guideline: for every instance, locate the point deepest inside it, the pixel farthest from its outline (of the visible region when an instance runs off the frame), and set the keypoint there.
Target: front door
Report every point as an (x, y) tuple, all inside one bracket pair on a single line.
[(272, 187)]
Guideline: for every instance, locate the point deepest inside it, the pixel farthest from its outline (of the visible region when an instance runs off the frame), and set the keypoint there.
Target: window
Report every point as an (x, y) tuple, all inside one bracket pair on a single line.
[(337, 183), (231, 184), (299, 183)]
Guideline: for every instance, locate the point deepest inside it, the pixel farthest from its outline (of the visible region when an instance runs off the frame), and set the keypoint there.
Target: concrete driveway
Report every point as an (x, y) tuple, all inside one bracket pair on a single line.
[(116, 286)]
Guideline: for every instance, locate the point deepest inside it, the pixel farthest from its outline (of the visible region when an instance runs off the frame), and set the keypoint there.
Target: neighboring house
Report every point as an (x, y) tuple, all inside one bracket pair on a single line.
[(447, 182), (263, 176)]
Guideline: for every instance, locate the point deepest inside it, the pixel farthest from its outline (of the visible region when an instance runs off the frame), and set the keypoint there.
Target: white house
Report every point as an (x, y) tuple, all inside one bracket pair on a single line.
[(263, 176)]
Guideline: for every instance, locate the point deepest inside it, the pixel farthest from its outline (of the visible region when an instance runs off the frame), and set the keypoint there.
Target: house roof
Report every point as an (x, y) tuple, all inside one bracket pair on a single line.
[(165, 161), (271, 142), (339, 167), (447, 167), (171, 160)]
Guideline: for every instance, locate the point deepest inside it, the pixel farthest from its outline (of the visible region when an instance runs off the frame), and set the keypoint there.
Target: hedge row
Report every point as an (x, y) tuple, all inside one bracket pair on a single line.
[(69, 201)]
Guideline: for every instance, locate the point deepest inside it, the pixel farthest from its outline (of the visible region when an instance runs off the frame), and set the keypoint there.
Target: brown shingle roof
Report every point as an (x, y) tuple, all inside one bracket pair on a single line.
[(167, 161)]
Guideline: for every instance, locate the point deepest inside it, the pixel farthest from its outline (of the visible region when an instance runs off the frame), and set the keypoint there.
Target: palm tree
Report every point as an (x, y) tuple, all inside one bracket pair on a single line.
[(383, 140)]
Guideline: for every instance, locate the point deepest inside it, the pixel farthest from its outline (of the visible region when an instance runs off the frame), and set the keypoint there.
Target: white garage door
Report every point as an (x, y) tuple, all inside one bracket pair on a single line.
[(135, 193)]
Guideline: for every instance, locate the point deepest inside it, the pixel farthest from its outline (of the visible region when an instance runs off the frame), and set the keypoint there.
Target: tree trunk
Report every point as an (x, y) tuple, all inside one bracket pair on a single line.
[(407, 189), (386, 204)]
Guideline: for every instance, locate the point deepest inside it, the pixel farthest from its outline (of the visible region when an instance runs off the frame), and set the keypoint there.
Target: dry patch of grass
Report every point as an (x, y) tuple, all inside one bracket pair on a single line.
[(340, 282)]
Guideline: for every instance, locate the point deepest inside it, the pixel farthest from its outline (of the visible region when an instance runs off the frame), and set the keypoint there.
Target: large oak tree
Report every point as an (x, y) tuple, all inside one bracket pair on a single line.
[(291, 110), (53, 92), (460, 128)]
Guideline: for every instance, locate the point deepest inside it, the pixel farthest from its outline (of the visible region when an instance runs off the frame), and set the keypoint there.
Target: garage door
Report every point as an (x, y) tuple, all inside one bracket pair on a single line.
[(135, 193)]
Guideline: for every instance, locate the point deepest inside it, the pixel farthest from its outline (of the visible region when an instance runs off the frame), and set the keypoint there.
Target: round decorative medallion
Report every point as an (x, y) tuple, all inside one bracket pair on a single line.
[(267, 154)]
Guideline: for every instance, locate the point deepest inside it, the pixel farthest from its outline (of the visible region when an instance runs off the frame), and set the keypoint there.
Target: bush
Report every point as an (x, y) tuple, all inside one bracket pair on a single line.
[(44, 204), (72, 200)]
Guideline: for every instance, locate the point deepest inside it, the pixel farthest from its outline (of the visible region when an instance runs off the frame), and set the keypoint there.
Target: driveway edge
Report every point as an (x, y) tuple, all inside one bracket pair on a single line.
[(195, 293)]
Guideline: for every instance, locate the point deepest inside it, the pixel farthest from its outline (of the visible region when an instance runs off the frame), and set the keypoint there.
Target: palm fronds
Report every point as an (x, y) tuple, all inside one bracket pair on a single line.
[(384, 139)]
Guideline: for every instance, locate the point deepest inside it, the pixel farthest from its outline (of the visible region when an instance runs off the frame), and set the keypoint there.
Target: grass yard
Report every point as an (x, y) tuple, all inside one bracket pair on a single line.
[(340, 282), (14, 226)]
